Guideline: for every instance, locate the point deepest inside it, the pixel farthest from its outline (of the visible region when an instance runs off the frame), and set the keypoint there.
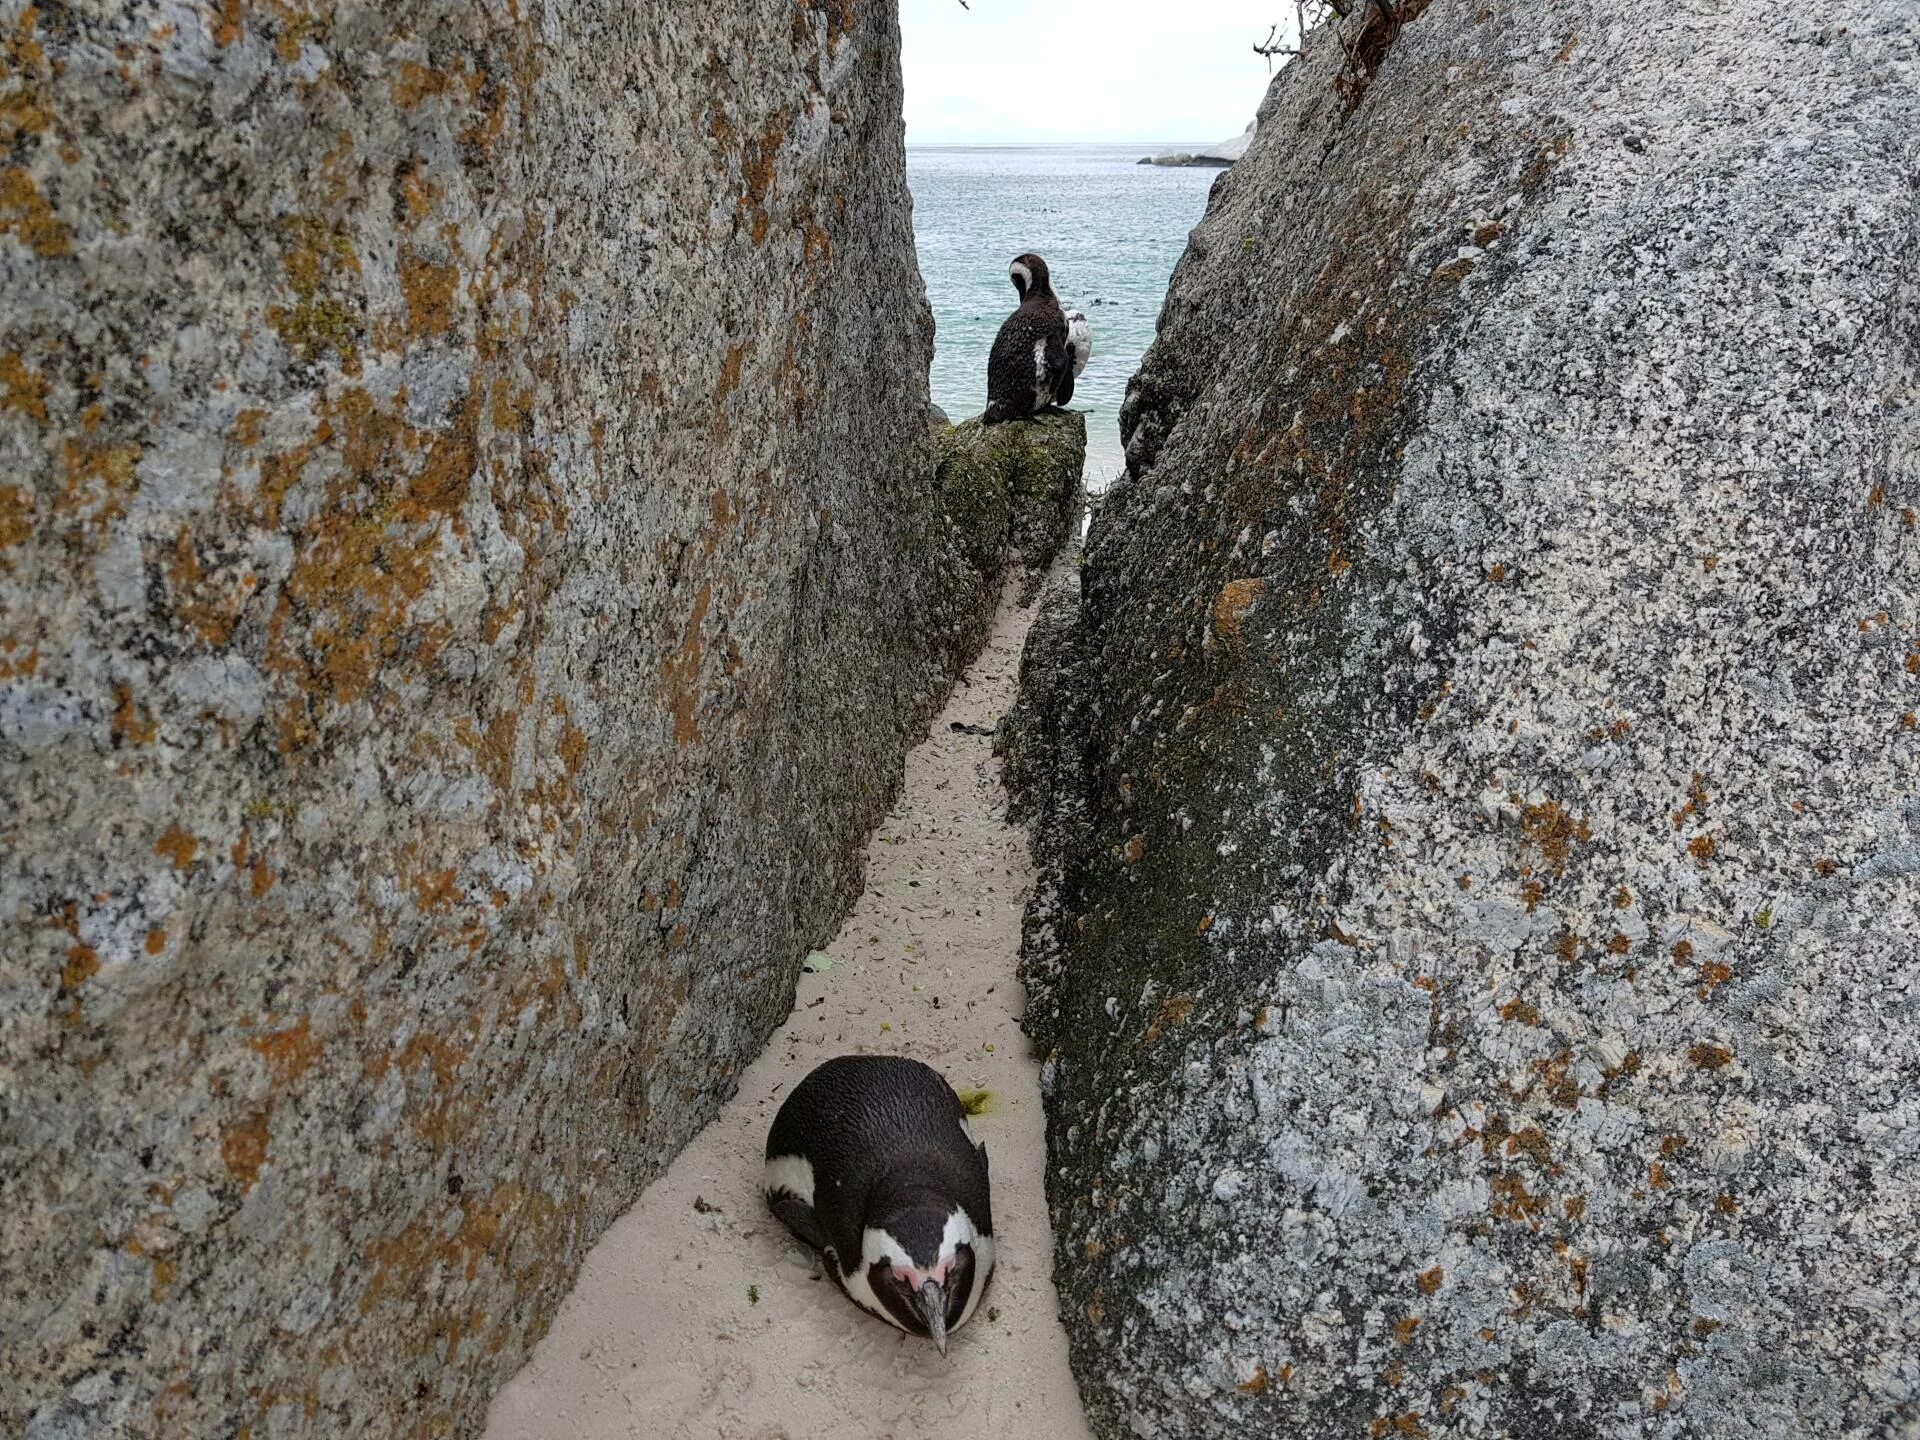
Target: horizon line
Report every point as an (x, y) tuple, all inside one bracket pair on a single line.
[(1043, 144)]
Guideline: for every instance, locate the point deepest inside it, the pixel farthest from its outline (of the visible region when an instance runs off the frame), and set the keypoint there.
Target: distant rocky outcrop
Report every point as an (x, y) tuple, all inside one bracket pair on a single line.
[(470, 565), (1216, 156), (1477, 939)]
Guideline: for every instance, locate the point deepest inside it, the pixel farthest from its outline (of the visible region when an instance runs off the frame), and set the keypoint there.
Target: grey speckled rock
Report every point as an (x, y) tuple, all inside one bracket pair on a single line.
[(1480, 937), (469, 567)]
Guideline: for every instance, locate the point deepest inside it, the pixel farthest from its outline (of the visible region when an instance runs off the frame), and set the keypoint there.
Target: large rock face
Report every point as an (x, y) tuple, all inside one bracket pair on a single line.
[(1481, 937), (455, 634)]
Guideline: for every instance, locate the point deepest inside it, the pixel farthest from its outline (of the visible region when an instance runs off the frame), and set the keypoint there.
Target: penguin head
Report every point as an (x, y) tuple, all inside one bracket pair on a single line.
[(925, 1264), (1029, 275)]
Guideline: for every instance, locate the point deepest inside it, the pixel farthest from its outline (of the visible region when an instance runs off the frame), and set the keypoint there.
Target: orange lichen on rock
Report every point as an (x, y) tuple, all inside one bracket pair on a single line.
[(230, 23), (1231, 605), (23, 63), (207, 608), (429, 290), (26, 389), (83, 962), (243, 1148), (1553, 832), (1174, 1012), (1518, 1011), (16, 518), (98, 480), (133, 723), (178, 846), (322, 271), (413, 82), (288, 1053), (346, 610), (680, 673), (730, 366), (488, 1226), (26, 215), (436, 892), (1513, 1201), (758, 159)]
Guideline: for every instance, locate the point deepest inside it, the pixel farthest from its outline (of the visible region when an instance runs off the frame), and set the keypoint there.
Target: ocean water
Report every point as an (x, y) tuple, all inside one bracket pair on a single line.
[(1110, 230)]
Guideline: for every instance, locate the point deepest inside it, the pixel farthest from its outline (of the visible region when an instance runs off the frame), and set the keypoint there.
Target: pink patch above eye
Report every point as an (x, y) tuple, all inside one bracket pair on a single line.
[(914, 1279)]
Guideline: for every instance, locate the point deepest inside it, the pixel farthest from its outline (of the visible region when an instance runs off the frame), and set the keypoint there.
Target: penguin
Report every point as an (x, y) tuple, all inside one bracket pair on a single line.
[(871, 1161), (1079, 351), (1029, 368)]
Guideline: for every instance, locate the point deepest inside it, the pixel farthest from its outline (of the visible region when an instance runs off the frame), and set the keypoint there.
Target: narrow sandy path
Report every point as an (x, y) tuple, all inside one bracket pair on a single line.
[(663, 1335)]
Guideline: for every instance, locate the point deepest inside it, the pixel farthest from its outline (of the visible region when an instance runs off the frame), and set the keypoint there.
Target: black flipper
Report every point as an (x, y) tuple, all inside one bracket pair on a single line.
[(1059, 359), (798, 1216)]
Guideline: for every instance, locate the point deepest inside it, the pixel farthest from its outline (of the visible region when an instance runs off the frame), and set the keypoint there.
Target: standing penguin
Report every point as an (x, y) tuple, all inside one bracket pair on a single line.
[(1029, 367), (871, 1161), (1079, 351)]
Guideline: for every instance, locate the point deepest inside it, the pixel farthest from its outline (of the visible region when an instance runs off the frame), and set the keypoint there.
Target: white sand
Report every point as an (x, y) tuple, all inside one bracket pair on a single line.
[(661, 1336)]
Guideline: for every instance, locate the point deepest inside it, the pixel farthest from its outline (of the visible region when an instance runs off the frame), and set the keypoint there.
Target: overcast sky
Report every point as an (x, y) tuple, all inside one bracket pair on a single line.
[(1051, 70)]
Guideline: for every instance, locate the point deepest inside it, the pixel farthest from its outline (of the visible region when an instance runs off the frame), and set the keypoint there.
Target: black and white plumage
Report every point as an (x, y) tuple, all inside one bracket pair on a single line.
[(1029, 367), (1079, 349), (871, 1161)]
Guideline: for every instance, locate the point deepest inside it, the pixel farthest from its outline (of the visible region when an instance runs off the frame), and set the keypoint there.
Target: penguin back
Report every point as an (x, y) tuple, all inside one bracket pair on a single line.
[(872, 1129)]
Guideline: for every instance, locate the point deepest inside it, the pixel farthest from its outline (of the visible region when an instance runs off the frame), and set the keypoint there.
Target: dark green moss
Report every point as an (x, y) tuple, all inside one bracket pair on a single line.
[(1012, 491)]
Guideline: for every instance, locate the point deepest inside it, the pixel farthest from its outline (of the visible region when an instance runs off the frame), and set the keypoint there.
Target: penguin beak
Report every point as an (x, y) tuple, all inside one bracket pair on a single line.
[(932, 1300)]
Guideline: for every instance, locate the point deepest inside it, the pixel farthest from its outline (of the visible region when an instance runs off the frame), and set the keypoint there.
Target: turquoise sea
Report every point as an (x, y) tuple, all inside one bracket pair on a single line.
[(1110, 230)]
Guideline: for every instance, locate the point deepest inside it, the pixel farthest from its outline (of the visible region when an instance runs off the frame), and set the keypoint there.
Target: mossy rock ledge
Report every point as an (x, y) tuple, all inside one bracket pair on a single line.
[(1012, 492)]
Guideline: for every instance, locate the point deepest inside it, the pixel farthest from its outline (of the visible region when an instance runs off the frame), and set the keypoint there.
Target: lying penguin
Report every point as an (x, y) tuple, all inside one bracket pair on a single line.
[(1039, 351), (871, 1161)]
